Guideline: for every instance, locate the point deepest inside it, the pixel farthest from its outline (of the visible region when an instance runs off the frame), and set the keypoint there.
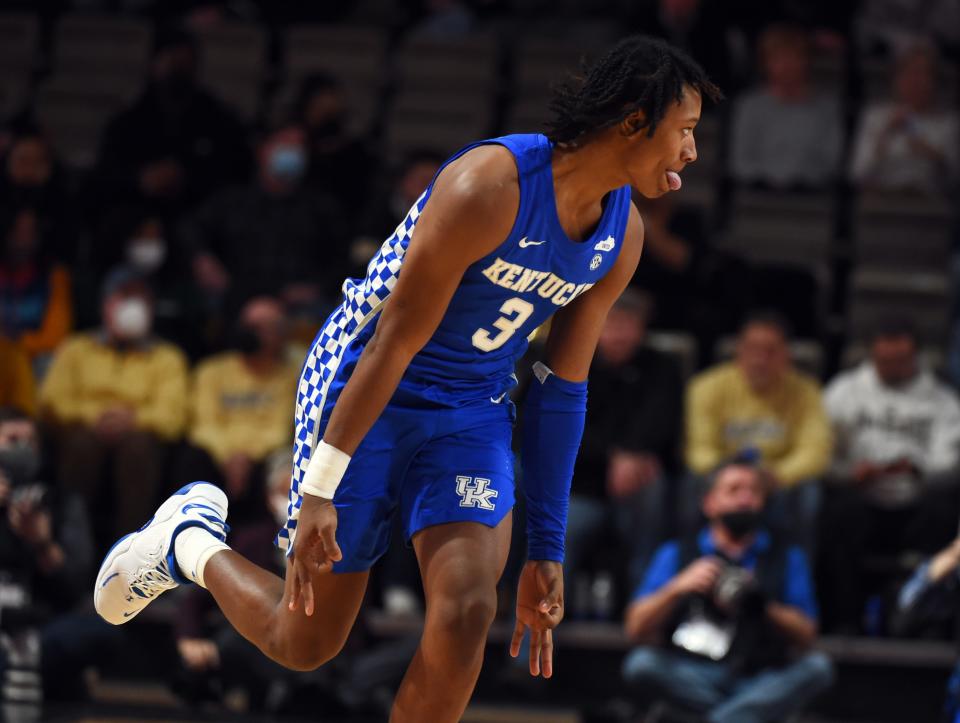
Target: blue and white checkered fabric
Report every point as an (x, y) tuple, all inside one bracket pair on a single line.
[(362, 300)]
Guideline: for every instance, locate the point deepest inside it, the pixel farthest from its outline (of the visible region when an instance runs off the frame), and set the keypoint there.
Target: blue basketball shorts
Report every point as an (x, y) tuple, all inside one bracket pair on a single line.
[(431, 464)]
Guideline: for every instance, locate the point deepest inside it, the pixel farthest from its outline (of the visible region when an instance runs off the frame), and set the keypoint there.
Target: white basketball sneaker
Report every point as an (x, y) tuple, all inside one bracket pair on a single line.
[(142, 565)]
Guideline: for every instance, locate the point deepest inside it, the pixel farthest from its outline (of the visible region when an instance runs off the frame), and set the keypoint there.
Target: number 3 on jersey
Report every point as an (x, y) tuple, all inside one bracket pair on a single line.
[(515, 311)]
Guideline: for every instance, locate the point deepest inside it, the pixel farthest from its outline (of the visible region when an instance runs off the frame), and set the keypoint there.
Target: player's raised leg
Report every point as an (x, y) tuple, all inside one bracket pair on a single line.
[(184, 542), (256, 603), (460, 564)]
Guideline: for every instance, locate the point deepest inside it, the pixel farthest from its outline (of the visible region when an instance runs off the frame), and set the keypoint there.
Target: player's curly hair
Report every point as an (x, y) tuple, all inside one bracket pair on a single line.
[(638, 73)]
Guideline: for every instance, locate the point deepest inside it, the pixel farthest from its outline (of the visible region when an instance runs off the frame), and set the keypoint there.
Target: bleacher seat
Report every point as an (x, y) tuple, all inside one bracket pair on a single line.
[(527, 115), (74, 122), (538, 63), (413, 131), (446, 94), (349, 53), (898, 231), (99, 65), (465, 64), (19, 35), (14, 92), (876, 294), (233, 59), (88, 45), (679, 344), (788, 228), (355, 55)]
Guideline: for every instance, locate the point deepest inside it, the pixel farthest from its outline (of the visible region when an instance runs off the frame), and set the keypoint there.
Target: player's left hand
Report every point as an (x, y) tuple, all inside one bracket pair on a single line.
[(539, 608)]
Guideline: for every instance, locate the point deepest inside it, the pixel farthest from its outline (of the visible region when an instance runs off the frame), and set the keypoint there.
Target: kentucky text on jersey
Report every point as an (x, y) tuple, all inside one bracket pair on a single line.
[(547, 284)]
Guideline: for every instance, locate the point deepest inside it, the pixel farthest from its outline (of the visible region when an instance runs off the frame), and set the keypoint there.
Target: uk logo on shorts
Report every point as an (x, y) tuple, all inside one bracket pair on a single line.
[(474, 493)]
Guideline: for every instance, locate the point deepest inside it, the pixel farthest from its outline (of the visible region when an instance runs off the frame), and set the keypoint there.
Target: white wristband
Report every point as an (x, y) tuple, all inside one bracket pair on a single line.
[(324, 471)]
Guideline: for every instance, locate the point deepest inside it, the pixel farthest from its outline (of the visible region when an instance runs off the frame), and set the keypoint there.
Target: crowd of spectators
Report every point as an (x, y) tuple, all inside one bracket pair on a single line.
[(153, 310)]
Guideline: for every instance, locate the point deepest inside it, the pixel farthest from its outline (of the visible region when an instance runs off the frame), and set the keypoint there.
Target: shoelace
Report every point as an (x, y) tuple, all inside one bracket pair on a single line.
[(151, 581)]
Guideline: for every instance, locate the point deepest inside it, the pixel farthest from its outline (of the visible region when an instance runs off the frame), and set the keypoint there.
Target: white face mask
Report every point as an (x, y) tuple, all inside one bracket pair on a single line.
[(131, 318), (147, 254)]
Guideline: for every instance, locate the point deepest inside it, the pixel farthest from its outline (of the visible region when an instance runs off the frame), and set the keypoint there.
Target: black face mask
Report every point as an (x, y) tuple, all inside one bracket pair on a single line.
[(246, 340), (741, 523), (19, 463)]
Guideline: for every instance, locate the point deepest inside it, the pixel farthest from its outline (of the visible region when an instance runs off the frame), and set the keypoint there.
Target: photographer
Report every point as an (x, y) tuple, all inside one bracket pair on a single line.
[(46, 557), (724, 620)]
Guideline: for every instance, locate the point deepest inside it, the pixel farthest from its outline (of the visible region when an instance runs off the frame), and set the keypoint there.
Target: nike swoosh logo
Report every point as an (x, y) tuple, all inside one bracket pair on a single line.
[(497, 400), (127, 615), (524, 243)]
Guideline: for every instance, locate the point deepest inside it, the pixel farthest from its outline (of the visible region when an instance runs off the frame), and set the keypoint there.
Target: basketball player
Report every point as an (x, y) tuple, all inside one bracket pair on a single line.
[(403, 401)]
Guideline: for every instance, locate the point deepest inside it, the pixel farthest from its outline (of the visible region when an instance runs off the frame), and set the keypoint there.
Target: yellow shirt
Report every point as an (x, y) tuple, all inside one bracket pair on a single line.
[(788, 425), (16, 379), (234, 410), (88, 376)]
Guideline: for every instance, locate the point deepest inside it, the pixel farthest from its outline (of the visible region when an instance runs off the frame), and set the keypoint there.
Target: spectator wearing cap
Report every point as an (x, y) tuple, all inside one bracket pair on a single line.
[(758, 404), (240, 408), (115, 396), (177, 143), (896, 471)]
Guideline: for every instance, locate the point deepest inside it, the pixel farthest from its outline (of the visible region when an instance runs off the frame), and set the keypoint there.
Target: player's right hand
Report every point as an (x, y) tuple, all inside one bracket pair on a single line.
[(539, 608), (315, 548)]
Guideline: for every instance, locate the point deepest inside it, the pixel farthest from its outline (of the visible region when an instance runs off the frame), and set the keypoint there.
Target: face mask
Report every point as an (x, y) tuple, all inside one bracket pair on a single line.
[(131, 318), (147, 254), (287, 163), (741, 523), (246, 340), (19, 463)]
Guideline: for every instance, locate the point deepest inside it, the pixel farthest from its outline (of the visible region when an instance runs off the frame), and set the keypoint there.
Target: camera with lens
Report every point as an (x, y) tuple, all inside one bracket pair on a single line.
[(738, 593)]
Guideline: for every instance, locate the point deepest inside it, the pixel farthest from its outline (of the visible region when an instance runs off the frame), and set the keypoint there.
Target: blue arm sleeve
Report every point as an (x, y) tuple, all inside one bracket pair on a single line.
[(553, 422)]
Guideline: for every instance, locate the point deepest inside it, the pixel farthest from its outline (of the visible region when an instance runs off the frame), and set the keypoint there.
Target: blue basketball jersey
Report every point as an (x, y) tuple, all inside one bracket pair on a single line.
[(501, 299), (441, 449)]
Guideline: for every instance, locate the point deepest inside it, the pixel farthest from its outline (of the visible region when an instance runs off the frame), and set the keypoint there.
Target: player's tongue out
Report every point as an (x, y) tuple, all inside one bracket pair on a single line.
[(673, 178)]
